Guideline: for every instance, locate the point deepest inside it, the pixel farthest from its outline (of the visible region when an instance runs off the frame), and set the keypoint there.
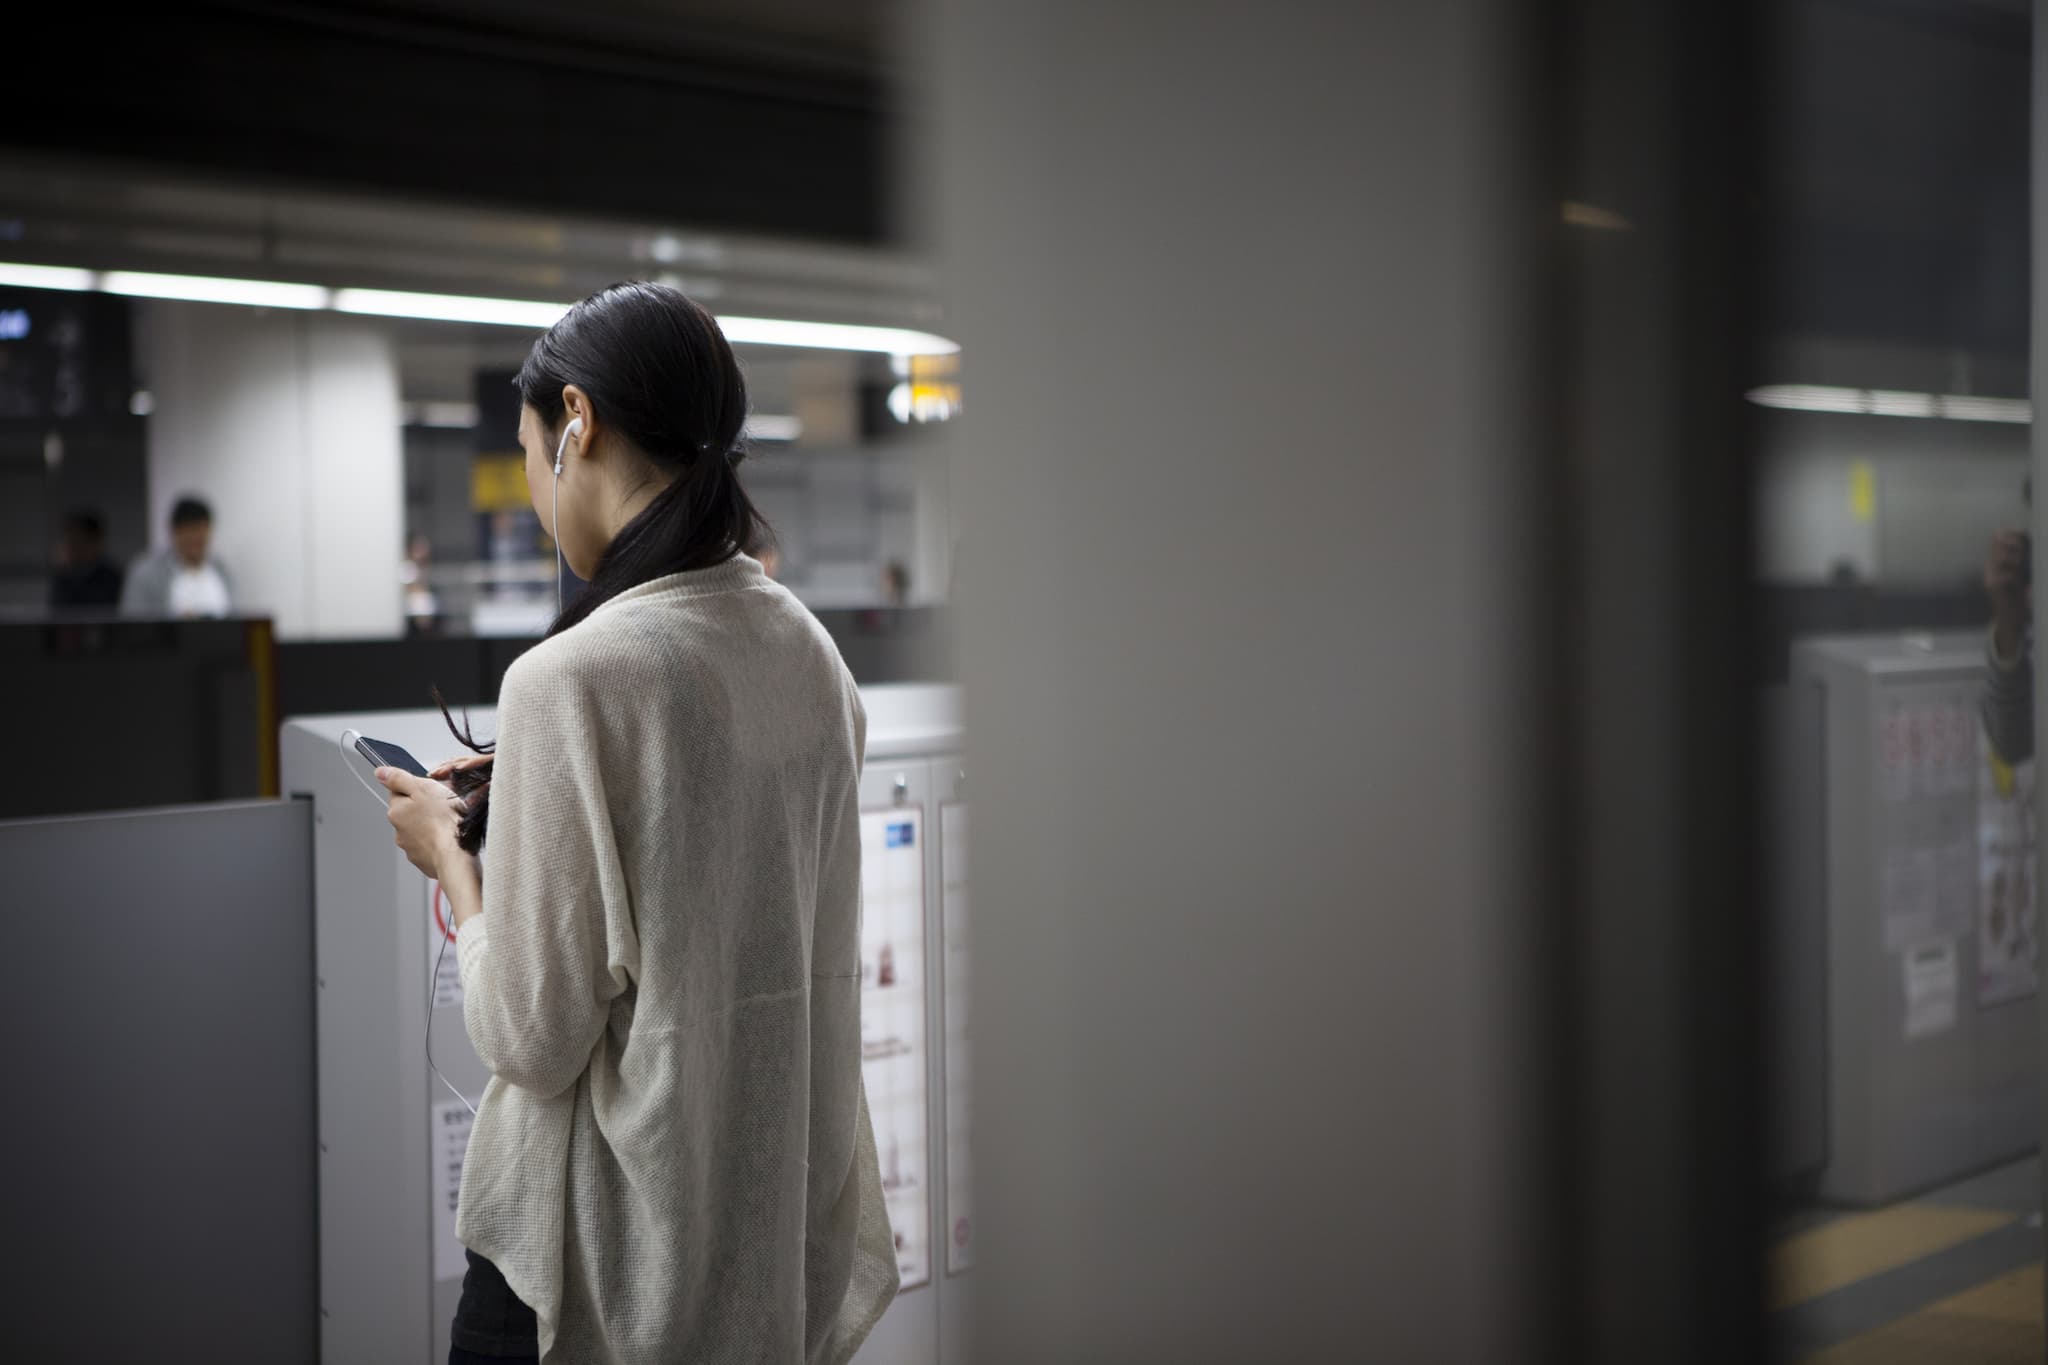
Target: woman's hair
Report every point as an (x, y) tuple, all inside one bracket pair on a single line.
[(472, 785), (660, 374)]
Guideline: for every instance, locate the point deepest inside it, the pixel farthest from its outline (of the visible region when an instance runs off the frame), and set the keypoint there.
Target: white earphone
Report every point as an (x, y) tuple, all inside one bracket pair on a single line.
[(575, 428)]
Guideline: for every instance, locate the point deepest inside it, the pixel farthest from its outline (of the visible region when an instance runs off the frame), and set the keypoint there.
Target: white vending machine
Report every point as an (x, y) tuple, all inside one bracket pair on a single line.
[(1920, 916), (393, 1134)]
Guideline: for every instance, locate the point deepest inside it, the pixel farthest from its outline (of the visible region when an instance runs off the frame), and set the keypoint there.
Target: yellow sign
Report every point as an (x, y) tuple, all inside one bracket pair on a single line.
[(933, 393), (497, 483), (1862, 491)]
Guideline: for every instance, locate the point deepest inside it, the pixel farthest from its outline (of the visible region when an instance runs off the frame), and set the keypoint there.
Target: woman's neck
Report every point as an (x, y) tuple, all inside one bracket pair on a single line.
[(631, 501)]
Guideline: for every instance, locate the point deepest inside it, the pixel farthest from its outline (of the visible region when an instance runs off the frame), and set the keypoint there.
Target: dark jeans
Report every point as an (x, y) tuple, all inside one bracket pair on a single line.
[(491, 1324)]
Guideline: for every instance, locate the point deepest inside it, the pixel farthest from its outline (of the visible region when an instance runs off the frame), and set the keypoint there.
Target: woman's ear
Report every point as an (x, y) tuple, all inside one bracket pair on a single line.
[(577, 406)]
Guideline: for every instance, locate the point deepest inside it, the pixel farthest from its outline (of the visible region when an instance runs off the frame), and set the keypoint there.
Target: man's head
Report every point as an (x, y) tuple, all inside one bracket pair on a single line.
[(191, 530), (85, 539)]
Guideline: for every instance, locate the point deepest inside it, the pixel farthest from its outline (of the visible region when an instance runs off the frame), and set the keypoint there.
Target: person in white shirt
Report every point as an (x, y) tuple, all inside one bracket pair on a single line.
[(182, 579), (660, 949)]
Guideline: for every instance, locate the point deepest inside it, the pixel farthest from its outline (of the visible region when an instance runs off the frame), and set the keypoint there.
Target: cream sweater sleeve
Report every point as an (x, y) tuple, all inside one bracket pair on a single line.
[(553, 946)]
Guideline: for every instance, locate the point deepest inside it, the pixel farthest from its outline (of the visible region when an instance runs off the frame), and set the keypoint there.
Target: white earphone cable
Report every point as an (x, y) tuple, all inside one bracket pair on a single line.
[(349, 756), (555, 505)]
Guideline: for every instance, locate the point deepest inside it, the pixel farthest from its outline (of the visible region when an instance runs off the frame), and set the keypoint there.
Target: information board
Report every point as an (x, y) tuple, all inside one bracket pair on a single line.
[(892, 970), (1926, 816)]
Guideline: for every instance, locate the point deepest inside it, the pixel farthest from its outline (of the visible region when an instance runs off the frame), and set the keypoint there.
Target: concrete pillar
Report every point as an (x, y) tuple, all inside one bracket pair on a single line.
[(288, 424), (1245, 569)]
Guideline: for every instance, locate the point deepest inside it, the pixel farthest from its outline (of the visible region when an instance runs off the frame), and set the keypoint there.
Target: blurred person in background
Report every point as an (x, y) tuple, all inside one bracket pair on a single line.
[(2008, 704), (896, 584), (182, 579), (422, 608), (85, 577)]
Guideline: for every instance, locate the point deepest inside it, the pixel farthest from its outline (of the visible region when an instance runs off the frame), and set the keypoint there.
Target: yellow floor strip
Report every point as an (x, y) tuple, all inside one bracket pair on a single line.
[(1865, 1244), (1997, 1323), (2009, 1298)]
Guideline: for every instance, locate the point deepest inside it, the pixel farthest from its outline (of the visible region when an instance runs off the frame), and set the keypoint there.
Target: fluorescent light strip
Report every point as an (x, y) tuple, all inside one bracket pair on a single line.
[(392, 303), (45, 277), (204, 289), (1952, 407), (741, 331), (767, 426), (833, 336)]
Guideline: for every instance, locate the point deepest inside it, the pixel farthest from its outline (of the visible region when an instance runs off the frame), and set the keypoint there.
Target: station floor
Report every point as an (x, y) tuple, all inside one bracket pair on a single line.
[(1953, 1276)]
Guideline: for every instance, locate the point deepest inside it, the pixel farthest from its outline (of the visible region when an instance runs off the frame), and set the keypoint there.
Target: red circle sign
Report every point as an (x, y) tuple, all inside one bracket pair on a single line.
[(440, 921)]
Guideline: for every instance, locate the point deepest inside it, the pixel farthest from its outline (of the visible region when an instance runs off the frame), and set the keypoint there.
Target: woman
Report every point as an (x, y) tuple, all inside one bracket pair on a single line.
[(660, 963)]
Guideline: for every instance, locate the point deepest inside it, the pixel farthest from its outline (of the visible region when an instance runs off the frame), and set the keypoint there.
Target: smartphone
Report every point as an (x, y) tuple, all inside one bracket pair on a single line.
[(384, 754)]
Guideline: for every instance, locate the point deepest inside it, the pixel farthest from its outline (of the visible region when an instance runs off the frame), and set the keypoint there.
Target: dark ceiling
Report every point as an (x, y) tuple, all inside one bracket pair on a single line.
[(770, 116), (1891, 185), (1896, 175), (845, 37)]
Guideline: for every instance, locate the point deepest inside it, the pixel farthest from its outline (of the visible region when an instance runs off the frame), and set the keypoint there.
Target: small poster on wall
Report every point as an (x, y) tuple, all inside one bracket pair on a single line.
[(892, 1021), (2007, 925), (448, 1145), (1930, 989)]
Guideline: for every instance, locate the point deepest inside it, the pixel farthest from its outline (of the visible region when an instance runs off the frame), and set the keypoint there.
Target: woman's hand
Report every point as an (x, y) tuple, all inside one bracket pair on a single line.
[(448, 766), (425, 815)]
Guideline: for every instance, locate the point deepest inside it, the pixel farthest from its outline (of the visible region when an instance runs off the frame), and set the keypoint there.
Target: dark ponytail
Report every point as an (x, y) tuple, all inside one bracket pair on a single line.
[(660, 373)]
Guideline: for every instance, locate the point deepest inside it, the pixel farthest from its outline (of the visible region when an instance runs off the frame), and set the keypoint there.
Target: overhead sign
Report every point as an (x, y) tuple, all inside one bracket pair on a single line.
[(497, 483)]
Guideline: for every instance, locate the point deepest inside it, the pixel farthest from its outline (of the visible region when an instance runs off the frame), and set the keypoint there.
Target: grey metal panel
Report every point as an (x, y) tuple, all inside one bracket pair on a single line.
[(379, 1303), (2006, 1079), (382, 1303), (1905, 1114), (1849, 893), (956, 1288), (158, 984)]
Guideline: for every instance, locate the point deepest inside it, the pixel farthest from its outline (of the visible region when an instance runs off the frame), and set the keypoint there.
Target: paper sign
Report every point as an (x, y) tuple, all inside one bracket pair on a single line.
[(2007, 923), (448, 1143), (1930, 989), (1926, 747)]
